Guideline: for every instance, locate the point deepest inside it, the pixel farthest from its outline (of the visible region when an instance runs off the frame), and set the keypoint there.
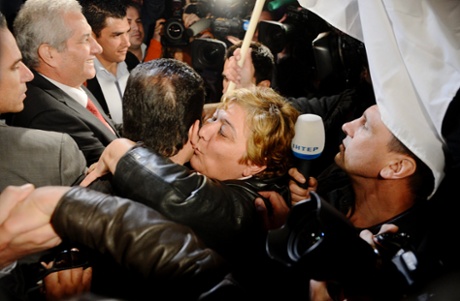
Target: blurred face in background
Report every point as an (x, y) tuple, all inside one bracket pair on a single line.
[(136, 35)]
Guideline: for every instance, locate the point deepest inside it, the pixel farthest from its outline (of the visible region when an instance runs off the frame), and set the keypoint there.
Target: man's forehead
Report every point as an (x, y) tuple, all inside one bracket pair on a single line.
[(9, 51), (116, 24)]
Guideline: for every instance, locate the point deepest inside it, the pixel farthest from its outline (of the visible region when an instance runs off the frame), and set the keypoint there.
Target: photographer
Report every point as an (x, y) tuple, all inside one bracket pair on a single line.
[(377, 180), (170, 39)]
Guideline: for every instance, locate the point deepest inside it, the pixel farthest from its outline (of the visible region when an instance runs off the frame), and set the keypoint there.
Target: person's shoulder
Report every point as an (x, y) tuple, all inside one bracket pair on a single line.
[(28, 136)]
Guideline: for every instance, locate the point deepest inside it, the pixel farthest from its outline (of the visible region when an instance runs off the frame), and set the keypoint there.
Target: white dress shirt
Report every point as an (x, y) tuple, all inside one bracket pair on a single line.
[(113, 88)]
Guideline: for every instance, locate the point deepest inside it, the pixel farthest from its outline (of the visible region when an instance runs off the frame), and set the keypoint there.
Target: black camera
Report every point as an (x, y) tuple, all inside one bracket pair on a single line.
[(228, 9), (222, 27), (319, 239), (175, 33), (174, 29), (339, 57), (322, 244), (208, 54), (300, 26)]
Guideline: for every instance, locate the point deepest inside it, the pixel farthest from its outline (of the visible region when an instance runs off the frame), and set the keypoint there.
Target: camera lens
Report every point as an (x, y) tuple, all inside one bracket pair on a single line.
[(212, 55), (208, 54), (175, 30), (303, 240)]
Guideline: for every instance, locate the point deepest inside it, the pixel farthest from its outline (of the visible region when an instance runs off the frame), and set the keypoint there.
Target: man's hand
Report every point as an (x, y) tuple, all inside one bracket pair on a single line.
[(298, 193), (159, 29), (243, 77), (108, 161), (67, 283), (280, 210), (26, 229), (370, 238)]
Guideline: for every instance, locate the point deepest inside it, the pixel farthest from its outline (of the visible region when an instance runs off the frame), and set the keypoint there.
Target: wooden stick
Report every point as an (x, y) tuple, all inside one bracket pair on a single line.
[(248, 36)]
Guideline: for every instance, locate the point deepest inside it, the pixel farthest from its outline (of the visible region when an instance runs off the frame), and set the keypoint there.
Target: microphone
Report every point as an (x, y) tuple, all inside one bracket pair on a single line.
[(308, 143)]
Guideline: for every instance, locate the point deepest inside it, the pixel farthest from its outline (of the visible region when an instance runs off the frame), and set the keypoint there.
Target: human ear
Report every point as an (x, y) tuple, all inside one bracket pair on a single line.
[(46, 54), (252, 169), (265, 83), (399, 168), (193, 132)]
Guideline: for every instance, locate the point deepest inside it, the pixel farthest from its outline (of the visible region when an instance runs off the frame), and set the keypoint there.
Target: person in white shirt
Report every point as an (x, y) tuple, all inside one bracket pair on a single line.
[(110, 28)]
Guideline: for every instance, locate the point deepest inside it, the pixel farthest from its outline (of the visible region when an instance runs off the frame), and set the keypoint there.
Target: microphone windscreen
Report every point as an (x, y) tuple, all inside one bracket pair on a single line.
[(308, 143), (309, 138)]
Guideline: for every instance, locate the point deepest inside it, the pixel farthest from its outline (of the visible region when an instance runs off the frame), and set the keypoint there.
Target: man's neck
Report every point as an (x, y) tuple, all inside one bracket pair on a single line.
[(108, 65), (378, 200)]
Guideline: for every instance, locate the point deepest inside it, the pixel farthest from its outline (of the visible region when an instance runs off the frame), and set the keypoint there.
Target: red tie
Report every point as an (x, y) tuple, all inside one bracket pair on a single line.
[(92, 108)]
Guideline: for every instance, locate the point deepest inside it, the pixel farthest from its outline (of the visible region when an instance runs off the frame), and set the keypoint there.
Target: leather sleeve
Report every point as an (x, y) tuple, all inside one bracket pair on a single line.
[(137, 237), (224, 216)]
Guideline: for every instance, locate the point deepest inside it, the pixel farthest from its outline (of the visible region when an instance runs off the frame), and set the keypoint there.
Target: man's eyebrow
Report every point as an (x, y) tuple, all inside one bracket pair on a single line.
[(17, 61)]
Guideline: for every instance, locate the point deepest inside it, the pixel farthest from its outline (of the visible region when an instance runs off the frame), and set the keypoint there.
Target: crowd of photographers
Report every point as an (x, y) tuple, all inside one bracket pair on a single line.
[(311, 57)]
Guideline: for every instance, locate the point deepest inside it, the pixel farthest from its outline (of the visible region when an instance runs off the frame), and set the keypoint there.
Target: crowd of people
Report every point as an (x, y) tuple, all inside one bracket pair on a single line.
[(121, 179)]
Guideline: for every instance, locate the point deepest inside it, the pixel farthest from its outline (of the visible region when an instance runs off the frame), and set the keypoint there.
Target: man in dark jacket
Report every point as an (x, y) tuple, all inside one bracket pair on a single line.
[(164, 125), (170, 258), (232, 162), (60, 51)]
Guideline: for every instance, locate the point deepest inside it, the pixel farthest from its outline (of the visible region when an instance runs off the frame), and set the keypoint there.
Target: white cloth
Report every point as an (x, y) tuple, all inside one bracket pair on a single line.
[(78, 94), (144, 50), (413, 48), (113, 88)]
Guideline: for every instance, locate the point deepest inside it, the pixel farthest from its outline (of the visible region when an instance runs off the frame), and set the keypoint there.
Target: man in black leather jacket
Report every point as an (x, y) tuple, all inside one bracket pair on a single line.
[(170, 257), (217, 199)]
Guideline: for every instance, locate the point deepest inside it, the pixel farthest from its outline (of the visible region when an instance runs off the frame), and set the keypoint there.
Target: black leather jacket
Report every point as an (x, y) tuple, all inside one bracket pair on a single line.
[(222, 213), (165, 253)]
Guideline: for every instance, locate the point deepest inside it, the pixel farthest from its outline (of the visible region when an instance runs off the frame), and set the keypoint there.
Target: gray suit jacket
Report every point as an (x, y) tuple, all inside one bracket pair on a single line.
[(38, 157), (48, 108)]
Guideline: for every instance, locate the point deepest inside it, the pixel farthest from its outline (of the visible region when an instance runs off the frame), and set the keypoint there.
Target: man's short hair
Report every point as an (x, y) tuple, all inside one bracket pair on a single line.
[(163, 98), (262, 59), (43, 21), (97, 11)]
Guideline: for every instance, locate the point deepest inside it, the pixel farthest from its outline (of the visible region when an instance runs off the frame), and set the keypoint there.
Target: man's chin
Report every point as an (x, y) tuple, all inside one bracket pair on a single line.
[(338, 158), (17, 109), (91, 75)]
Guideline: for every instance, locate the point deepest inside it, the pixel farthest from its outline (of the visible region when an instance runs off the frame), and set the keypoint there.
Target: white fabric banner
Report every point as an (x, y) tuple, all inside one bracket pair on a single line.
[(413, 48)]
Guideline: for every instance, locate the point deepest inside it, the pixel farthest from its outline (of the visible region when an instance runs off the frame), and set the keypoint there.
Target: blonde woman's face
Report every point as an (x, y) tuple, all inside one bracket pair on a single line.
[(222, 142)]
